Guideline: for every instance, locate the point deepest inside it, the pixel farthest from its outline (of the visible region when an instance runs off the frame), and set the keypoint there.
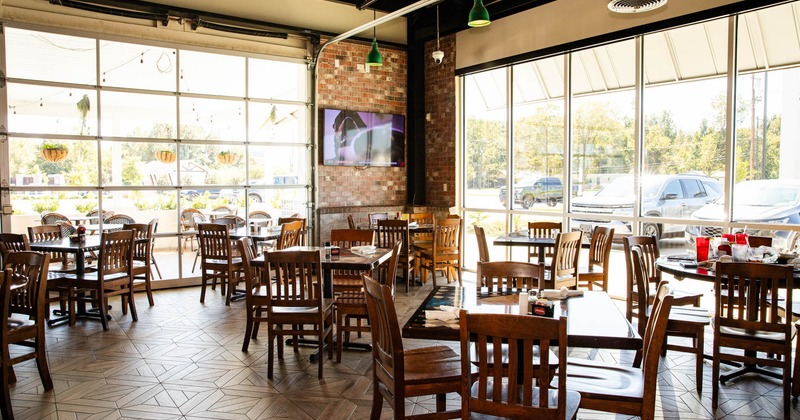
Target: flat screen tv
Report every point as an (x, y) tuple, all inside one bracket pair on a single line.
[(353, 138)]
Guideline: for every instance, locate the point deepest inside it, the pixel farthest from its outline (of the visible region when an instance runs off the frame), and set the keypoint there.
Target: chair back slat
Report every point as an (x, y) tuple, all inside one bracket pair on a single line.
[(498, 275), (298, 238), (757, 287), (564, 269), (483, 246), (12, 242), (392, 231), (290, 234), (215, 241), (298, 279), (387, 349), (116, 253), (498, 390), (600, 248), (543, 230), (47, 233), (143, 240), (446, 236), (31, 268)]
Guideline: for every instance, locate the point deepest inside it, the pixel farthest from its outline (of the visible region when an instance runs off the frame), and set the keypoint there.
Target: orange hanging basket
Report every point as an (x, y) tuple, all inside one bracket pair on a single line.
[(55, 155), (227, 158), (165, 156)]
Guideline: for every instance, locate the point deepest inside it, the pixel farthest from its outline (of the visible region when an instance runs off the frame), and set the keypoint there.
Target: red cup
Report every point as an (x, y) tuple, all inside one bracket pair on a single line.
[(702, 248), (741, 238)]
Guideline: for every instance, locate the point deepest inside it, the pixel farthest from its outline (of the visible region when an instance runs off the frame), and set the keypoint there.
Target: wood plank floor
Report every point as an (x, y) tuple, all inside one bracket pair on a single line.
[(183, 360)]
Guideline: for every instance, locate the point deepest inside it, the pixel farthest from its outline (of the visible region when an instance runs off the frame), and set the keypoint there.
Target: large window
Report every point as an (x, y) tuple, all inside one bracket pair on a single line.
[(670, 153), (149, 131)]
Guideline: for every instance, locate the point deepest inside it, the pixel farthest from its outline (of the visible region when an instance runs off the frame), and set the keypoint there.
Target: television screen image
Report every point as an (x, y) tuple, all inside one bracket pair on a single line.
[(353, 138)]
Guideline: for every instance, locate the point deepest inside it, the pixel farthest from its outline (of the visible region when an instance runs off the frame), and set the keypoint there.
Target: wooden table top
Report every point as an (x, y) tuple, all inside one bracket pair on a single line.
[(520, 239), (673, 266), (593, 320), (347, 260)]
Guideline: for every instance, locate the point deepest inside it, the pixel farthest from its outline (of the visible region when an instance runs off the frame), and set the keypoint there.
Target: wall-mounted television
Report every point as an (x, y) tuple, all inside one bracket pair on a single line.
[(354, 138)]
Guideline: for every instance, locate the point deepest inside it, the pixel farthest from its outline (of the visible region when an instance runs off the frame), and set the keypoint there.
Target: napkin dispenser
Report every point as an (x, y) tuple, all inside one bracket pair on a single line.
[(542, 308)]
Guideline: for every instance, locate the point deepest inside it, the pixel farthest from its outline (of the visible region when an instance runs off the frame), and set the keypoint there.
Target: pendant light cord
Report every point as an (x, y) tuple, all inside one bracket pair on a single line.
[(437, 26), (373, 28)]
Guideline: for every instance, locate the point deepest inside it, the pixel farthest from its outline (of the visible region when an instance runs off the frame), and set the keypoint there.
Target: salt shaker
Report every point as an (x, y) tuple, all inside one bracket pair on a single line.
[(327, 250), (523, 302)]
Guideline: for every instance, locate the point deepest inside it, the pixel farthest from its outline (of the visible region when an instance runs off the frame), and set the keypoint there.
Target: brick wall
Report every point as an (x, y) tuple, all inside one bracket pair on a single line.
[(440, 127), (383, 90)]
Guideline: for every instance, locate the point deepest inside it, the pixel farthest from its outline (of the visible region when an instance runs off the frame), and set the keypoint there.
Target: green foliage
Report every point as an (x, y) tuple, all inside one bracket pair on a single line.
[(48, 203), (88, 204), (199, 202), (49, 145), (157, 202)]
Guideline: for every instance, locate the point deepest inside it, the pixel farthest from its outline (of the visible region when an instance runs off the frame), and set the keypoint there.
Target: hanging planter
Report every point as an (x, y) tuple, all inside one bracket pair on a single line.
[(227, 158), (54, 152), (165, 156)]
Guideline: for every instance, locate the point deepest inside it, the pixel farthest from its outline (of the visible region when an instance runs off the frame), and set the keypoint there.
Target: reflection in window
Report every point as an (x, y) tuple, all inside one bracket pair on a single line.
[(277, 80), (50, 57), (138, 115), (51, 110), (214, 74), (277, 123), (137, 66), (212, 119)]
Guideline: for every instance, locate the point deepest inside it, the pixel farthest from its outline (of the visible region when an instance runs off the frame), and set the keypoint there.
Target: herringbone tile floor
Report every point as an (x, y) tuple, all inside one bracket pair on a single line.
[(183, 360)]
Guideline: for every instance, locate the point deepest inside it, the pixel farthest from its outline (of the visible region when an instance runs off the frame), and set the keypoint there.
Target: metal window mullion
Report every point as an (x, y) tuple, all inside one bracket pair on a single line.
[(247, 139), (638, 133), (509, 152), (730, 124), (5, 171), (567, 144), (99, 134)]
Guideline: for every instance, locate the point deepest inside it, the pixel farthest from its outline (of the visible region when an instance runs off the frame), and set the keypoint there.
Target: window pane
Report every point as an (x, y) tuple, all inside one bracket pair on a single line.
[(214, 74), (136, 164), (45, 56), (138, 115), (137, 66), (603, 148), (278, 80), (212, 119), (684, 139), (212, 164), (282, 165), (51, 110), (485, 149), (278, 123), (30, 205), (538, 143), (28, 166)]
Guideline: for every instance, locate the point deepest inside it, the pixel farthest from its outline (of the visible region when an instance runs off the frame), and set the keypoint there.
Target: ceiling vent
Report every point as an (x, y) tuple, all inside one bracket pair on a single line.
[(634, 6)]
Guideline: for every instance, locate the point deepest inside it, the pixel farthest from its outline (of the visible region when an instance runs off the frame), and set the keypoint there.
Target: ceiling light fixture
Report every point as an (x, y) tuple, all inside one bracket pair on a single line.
[(478, 16), (374, 56), (634, 6)]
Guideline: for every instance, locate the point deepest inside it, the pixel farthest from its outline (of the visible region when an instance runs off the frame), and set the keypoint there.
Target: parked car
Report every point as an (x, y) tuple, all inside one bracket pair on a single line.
[(763, 201), (547, 189), (673, 196)]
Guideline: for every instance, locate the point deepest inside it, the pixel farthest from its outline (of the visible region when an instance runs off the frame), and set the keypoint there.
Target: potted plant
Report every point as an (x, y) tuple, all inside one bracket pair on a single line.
[(226, 157), (54, 152), (165, 156)]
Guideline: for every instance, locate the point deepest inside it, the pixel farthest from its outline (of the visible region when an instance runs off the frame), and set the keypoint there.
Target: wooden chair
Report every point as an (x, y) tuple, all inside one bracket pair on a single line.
[(233, 221), (352, 306), (500, 275), (375, 217), (153, 262), (114, 277), (599, 252), (747, 323), (59, 265), (623, 389), (301, 240), (649, 246), (197, 218), (346, 239), (683, 321), (483, 247), (757, 241), (421, 240), (260, 215), (142, 271), (350, 222), (504, 393), (188, 225), (296, 301), (445, 252), (563, 271), (217, 261), (257, 296), (11, 242), (290, 234), (102, 216), (543, 230), (23, 317), (391, 232), (397, 373), (263, 219)]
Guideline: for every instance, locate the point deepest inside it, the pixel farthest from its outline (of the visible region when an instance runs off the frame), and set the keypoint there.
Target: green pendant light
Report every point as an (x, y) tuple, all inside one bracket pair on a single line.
[(478, 16), (374, 58)]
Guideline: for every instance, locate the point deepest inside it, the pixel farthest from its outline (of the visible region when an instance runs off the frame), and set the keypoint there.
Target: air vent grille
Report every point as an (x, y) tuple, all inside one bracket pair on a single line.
[(634, 6)]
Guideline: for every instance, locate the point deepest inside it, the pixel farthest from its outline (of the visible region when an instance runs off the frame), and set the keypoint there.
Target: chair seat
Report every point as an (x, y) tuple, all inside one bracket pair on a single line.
[(595, 380), (433, 365), (93, 276), (351, 298), (572, 404), (756, 335), (234, 261), (687, 314), (19, 321)]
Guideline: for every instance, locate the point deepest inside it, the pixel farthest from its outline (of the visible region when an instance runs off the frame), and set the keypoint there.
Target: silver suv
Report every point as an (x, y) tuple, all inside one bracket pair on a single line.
[(673, 196)]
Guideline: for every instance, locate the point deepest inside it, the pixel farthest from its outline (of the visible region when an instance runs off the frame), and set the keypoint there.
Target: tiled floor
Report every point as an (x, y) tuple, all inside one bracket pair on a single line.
[(183, 359)]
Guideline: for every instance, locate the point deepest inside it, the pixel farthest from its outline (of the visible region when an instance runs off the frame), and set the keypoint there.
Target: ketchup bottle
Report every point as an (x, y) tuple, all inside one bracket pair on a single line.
[(81, 232)]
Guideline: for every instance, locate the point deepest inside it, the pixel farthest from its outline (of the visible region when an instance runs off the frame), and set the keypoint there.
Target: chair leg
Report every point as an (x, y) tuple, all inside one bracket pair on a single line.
[(377, 401), (340, 320), (41, 359), (271, 351), (698, 370), (248, 330), (153, 261), (320, 361), (103, 308), (132, 304), (203, 288), (796, 373), (5, 402)]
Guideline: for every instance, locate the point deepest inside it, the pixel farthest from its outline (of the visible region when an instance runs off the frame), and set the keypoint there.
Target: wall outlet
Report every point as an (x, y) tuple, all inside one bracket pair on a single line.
[(444, 187)]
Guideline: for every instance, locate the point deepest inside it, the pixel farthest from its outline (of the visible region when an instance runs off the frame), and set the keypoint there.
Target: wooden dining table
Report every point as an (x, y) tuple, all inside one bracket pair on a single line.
[(593, 320), (521, 238)]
